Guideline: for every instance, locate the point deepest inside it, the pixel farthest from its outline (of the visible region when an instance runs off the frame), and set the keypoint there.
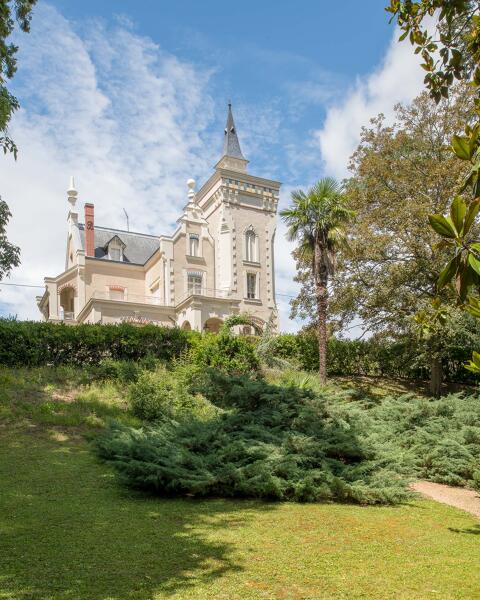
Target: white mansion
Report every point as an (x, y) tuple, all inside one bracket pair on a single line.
[(218, 262)]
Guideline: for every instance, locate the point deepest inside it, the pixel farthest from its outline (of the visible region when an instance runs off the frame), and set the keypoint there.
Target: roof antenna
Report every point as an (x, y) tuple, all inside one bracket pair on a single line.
[(128, 222)]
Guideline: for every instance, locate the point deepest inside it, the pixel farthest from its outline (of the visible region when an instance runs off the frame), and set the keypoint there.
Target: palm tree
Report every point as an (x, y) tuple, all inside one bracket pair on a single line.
[(316, 220)]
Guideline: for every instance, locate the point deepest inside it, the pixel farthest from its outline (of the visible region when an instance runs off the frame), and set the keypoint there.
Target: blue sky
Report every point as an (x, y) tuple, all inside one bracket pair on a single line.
[(130, 97)]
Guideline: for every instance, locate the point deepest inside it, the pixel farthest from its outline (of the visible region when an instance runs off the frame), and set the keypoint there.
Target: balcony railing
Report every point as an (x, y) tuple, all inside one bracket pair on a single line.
[(127, 297), (207, 292), (155, 301), (66, 315)]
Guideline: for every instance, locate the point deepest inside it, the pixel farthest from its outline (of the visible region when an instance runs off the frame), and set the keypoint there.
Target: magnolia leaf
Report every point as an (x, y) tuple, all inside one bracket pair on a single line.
[(443, 225), (457, 212), (447, 273), (474, 263), (463, 279), (471, 214), (473, 307), (461, 147)]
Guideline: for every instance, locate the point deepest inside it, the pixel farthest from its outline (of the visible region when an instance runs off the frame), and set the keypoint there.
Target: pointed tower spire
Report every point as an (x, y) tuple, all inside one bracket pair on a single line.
[(231, 144), (232, 157)]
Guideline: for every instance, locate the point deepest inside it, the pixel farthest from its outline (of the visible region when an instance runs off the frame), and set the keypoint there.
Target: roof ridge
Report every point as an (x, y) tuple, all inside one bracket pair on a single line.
[(122, 231)]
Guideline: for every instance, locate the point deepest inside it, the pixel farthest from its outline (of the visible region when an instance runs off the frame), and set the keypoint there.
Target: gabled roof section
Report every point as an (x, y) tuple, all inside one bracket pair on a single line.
[(137, 249), (231, 144), (115, 238)]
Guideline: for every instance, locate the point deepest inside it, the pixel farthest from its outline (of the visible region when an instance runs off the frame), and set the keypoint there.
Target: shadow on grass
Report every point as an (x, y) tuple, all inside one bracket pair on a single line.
[(475, 530), (69, 531)]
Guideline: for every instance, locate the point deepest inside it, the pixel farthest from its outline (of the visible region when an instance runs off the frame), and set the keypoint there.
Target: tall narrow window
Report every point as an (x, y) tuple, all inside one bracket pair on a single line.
[(251, 286), (194, 283), (193, 245), (251, 246)]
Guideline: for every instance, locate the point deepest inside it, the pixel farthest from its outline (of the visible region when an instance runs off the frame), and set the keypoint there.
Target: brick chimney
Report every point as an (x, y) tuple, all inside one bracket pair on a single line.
[(89, 230)]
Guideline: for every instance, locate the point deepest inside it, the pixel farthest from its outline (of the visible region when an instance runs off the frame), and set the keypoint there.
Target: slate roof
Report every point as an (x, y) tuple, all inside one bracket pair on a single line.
[(139, 247), (231, 144)]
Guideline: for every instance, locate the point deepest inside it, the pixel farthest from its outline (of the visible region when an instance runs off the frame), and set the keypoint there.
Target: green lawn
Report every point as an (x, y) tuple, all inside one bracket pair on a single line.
[(68, 531)]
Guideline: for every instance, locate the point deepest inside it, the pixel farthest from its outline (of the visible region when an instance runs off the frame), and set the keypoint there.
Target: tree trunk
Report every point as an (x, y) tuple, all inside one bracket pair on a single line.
[(322, 303), (436, 376), (321, 292)]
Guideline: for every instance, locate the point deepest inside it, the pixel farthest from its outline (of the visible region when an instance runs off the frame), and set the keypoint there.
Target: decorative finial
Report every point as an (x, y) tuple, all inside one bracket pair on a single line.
[(72, 193), (191, 189)]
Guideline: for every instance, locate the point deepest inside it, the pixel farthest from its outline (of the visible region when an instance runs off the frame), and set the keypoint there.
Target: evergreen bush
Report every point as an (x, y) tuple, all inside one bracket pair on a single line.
[(161, 395), (267, 441), (225, 352)]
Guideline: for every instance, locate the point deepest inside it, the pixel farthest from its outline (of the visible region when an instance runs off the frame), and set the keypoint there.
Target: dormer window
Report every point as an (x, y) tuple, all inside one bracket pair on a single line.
[(115, 249), (193, 245), (114, 252)]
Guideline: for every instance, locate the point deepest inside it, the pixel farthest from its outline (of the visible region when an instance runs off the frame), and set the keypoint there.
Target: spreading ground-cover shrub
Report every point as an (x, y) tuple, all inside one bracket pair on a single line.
[(268, 442), (32, 344), (438, 440), (293, 440), (421, 438)]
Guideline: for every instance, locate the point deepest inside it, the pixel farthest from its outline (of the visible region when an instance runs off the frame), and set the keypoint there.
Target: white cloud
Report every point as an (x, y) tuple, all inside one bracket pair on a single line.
[(399, 79), (129, 120)]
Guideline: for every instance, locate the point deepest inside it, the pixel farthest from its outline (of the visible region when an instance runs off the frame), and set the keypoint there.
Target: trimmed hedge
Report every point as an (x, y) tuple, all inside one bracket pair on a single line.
[(33, 344), (371, 357)]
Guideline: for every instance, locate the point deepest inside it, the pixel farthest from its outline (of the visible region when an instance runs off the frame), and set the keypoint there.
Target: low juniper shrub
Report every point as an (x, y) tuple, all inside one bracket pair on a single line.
[(266, 442)]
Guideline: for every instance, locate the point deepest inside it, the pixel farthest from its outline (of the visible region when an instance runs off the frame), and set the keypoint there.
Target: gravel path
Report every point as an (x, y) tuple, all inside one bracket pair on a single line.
[(459, 497)]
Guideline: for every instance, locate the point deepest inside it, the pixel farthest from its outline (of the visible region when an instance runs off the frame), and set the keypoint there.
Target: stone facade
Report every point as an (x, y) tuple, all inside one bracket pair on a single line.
[(218, 262)]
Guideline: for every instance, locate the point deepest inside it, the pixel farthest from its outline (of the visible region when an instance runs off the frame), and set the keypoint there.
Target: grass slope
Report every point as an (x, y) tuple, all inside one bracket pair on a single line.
[(68, 531)]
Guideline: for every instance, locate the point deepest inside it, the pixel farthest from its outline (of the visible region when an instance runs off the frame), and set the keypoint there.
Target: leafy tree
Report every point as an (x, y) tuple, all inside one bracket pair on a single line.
[(21, 10), (9, 11), (400, 174), (450, 48), (453, 52), (9, 253), (317, 220)]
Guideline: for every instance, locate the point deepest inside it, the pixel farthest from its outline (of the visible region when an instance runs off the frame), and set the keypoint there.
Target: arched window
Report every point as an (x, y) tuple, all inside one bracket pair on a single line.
[(193, 245), (251, 246)]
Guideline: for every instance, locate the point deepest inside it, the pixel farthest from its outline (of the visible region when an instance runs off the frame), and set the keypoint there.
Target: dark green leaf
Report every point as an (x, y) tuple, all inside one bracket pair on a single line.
[(470, 216), (443, 225), (461, 147), (474, 263), (447, 273), (457, 213)]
